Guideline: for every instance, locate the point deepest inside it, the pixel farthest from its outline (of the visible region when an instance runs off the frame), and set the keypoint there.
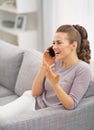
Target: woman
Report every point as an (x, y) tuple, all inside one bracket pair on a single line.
[(62, 79), (72, 53)]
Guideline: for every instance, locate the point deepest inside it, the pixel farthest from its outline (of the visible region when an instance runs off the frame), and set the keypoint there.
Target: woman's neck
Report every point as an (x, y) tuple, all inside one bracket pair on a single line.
[(70, 62)]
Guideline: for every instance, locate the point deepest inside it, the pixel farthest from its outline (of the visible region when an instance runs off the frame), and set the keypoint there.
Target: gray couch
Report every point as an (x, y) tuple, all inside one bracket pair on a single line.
[(18, 68)]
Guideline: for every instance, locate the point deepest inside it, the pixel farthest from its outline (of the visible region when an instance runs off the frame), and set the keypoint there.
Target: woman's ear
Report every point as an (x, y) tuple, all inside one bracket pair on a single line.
[(74, 45)]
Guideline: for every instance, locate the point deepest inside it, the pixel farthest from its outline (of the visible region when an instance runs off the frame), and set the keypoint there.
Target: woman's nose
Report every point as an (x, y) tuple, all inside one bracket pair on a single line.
[(54, 46)]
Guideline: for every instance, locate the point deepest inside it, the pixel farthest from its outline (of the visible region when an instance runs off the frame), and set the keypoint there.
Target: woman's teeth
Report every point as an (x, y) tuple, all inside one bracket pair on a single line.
[(57, 53)]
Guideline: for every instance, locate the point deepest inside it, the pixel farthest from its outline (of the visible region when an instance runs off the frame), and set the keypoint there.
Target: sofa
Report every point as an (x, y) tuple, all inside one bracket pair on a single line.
[(18, 68)]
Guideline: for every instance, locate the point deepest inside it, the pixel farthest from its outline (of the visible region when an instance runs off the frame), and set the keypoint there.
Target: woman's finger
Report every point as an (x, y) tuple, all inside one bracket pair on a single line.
[(52, 66)]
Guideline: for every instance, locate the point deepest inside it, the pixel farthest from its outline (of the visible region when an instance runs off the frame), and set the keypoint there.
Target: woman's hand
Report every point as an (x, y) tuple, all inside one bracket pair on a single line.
[(48, 65), (53, 78), (47, 58)]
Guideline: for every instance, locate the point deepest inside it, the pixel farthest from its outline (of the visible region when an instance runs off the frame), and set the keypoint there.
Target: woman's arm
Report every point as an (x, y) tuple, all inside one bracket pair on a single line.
[(37, 86), (79, 87), (64, 98)]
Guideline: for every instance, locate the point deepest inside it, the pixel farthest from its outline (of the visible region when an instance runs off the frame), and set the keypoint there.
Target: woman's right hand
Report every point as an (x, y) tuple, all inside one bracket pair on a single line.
[(47, 58)]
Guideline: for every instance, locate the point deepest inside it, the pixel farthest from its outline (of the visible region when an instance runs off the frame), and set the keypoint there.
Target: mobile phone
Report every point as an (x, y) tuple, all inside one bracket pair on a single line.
[(51, 52)]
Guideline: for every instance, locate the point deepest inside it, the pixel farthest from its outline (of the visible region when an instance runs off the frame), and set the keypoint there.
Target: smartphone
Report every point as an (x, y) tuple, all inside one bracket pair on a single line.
[(51, 52)]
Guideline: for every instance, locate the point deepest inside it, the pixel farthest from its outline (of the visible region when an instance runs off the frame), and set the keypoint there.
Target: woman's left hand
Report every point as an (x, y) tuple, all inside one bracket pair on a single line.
[(53, 78)]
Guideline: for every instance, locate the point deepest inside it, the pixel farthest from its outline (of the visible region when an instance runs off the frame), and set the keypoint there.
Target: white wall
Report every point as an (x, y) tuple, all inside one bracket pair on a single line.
[(58, 12)]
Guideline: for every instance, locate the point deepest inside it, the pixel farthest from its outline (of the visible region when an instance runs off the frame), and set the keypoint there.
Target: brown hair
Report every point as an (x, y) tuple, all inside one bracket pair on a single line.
[(79, 34)]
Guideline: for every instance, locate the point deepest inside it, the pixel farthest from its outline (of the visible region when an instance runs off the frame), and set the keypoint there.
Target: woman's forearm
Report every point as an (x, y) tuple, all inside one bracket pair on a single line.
[(37, 86), (64, 98)]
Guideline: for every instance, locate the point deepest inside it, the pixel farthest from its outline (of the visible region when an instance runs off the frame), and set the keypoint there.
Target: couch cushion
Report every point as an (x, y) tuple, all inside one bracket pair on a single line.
[(29, 68), (10, 61), (5, 92), (7, 99), (90, 91)]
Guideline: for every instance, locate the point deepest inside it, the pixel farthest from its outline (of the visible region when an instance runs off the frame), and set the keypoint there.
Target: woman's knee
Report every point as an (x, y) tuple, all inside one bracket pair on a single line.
[(28, 93)]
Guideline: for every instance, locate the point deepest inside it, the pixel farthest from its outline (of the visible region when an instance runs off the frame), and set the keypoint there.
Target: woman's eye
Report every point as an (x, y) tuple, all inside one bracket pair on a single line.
[(53, 43), (59, 42)]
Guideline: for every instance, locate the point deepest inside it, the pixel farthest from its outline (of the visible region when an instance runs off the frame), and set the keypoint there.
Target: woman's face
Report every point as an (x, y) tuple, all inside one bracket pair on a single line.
[(62, 48)]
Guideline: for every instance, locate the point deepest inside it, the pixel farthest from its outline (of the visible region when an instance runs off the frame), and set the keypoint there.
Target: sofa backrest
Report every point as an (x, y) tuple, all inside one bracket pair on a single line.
[(90, 91), (10, 62), (29, 68)]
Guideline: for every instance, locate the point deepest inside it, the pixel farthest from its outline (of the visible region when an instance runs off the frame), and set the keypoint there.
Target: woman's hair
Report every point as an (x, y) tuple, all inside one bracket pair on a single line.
[(79, 34)]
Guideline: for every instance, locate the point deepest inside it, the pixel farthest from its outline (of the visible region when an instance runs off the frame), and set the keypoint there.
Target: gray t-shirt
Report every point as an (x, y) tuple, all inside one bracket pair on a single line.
[(74, 81)]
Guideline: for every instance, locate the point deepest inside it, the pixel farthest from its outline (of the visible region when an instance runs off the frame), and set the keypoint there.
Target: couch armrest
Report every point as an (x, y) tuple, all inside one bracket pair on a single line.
[(55, 118)]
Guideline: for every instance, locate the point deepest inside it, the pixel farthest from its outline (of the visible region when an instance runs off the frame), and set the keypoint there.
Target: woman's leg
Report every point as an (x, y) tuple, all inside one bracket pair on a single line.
[(23, 104)]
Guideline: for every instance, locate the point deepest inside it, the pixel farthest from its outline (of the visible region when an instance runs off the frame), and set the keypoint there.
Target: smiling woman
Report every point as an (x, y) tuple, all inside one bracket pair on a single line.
[(65, 84)]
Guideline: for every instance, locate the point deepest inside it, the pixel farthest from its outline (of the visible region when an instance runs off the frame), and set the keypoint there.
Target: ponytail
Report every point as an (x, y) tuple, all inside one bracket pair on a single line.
[(84, 52)]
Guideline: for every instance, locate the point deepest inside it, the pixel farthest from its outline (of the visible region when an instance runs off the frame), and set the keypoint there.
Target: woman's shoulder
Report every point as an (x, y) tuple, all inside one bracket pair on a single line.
[(78, 67), (83, 67)]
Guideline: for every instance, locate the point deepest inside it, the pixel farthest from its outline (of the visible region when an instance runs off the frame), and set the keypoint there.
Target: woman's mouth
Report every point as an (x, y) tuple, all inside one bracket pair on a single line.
[(57, 53)]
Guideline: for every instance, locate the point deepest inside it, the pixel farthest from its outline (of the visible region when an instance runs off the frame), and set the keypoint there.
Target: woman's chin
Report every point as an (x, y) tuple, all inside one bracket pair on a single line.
[(57, 57)]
